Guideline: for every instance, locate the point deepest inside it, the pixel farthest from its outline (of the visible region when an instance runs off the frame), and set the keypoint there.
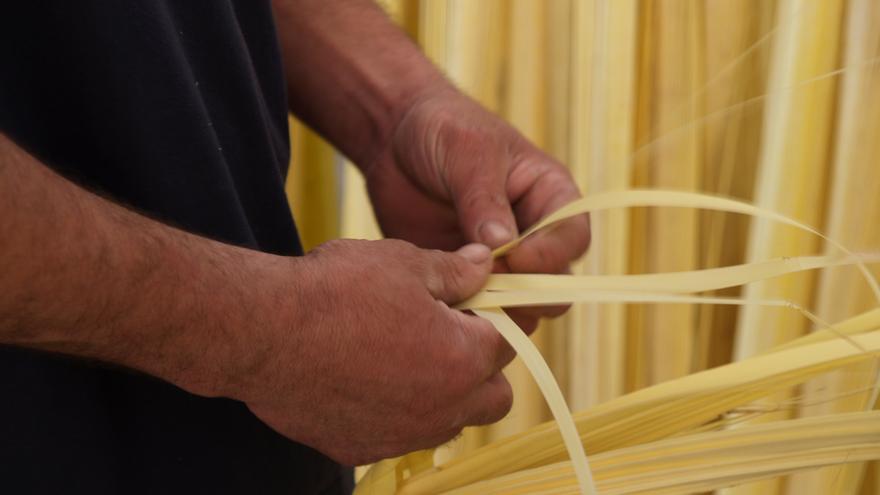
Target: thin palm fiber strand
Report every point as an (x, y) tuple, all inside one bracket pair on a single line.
[(680, 199), (673, 282), (549, 388)]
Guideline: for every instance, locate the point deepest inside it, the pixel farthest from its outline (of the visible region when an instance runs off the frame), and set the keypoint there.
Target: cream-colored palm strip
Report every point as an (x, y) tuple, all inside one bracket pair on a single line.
[(685, 199), (509, 290), (678, 199), (552, 296), (673, 282), (550, 389)]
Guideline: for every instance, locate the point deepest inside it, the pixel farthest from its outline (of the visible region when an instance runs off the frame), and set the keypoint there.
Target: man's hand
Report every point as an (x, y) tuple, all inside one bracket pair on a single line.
[(442, 171), (351, 349), (455, 173), (375, 364)]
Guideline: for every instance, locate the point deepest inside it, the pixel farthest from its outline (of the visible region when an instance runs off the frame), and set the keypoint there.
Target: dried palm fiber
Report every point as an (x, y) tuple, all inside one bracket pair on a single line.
[(673, 49), (706, 461), (854, 194), (387, 473), (602, 91), (803, 119), (314, 185), (580, 338), (796, 136), (736, 38), (650, 414), (558, 50)]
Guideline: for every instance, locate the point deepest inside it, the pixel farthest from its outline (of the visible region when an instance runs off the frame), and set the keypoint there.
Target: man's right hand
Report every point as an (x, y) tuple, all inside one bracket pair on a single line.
[(374, 363), (351, 349)]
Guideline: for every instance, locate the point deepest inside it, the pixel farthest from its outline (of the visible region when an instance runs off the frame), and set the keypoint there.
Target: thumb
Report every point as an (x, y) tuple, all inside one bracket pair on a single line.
[(453, 277), (481, 201)]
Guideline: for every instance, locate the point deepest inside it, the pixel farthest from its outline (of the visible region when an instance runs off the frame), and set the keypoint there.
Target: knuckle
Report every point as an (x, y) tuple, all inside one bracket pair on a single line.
[(503, 404), (427, 426), (453, 272), (481, 197), (498, 402), (461, 373), (404, 252), (492, 343), (399, 245), (538, 256)]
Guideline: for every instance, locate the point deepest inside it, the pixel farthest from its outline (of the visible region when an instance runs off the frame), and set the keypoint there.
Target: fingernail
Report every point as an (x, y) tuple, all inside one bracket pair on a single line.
[(475, 253), (494, 233)]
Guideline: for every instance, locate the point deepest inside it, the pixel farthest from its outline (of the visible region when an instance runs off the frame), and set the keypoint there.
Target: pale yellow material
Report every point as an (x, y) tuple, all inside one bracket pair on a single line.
[(707, 461), (602, 89), (859, 346), (311, 184), (796, 139), (541, 372), (358, 222), (692, 281), (864, 322), (675, 75), (736, 36), (677, 199), (853, 201), (654, 413), (561, 352)]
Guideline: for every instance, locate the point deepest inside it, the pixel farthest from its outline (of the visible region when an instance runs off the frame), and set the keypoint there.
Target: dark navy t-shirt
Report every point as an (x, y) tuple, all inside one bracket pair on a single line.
[(176, 108)]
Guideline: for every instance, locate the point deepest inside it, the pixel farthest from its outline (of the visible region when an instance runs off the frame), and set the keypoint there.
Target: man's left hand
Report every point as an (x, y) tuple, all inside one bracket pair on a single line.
[(454, 173)]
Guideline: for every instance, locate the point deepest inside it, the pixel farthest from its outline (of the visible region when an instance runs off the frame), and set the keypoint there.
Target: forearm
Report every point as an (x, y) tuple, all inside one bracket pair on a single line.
[(351, 73), (83, 276)]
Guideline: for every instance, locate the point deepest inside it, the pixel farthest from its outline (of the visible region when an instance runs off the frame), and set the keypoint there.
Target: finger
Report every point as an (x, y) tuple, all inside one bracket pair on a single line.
[(540, 188), (442, 232), (527, 321), (551, 251), (487, 338), (490, 402), (480, 193), (453, 277)]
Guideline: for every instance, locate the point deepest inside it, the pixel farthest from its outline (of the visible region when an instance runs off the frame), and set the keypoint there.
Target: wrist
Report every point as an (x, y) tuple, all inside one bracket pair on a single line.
[(400, 97), (260, 322)]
